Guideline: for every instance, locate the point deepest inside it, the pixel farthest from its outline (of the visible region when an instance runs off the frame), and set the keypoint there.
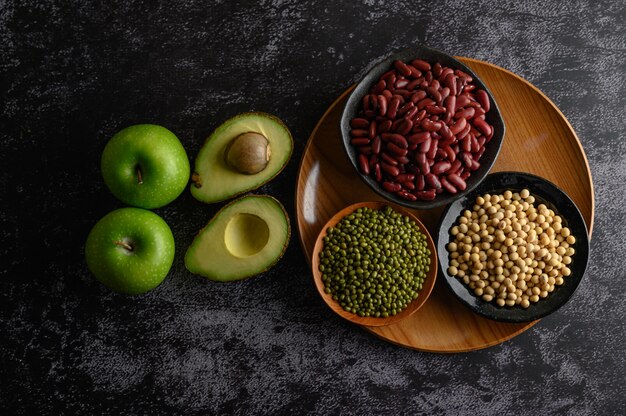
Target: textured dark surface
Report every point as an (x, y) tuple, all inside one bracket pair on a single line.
[(72, 73)]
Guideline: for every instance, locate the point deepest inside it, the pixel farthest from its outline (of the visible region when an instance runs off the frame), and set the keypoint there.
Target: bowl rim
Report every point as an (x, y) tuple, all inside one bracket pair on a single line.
[(507, 314), (414, 306), (368, 77)]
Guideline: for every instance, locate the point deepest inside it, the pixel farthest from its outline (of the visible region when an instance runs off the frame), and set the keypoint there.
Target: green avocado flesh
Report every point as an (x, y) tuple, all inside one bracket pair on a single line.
[(214, 180), (243, 239)]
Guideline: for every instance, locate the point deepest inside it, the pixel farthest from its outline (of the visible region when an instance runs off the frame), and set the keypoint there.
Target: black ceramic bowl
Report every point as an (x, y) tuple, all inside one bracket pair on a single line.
[(353, 105), (544, 192)]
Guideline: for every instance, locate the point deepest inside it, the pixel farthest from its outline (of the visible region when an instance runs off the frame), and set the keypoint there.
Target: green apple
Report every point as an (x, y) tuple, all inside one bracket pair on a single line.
[(145, 166), (130, 250)]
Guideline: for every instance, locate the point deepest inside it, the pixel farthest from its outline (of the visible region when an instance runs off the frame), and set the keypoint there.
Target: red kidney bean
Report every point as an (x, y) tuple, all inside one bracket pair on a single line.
[(359, 123), (456, 165), (405, 126), (435, 109), (466, 144), (481, 141), (379, 87), (382, 105), (425, 145), (411, 85), (437, 69), (388, 74), (444, 74), (433, 92), (432, 151), (373, 160), (465, 113), (366, 150), (426, 124), (475, 165), (393, 107), (462, 101), (428, 77), (372, 130), (458, 126), (405, 177), (440, 167), (406, 107), (482, 126), (387, 95), (408, 185), (415, 73), (450, 82), (421, 65), (447, 185), (395, 150), (445, 92), (376, 145), (483, 99), (406, 195), (418, 96), (469, 87), (390, 169), (465, 131), (384, 126), (360, 141), (395, 138), (425, 102), (475, 145), (364, 164), (388, 159), (450, 154), (402, 68), (358, 133), (433, 181), (402, 160), (401, 83), (365, 102), (466, 158), (420, 182), (391, 186), (456, 181), (411, 113), (450, 104), (419, 137), (377, 173), (441, 154), (476, 156), (425, 195)]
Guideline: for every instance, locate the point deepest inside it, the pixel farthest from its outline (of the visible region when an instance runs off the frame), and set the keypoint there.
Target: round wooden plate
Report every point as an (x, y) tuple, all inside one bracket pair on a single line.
[(538, 140)]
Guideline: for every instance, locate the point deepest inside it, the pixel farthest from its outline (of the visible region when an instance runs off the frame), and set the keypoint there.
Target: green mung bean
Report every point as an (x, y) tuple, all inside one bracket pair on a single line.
[(374, 262)]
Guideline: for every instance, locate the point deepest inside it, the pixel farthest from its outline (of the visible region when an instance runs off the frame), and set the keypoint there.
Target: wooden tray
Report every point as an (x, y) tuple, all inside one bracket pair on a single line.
[(538, 140)]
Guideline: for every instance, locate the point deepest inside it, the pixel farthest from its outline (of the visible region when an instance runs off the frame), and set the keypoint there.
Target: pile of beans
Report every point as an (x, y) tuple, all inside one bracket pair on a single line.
[(374, 262), (510, 252), (421, 130)]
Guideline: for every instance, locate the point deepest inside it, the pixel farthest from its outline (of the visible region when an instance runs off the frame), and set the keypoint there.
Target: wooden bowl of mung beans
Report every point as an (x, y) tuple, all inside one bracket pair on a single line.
[(374, 263)]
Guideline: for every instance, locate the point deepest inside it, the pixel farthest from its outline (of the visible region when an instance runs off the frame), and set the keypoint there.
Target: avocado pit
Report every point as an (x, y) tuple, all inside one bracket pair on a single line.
[(248, 153)]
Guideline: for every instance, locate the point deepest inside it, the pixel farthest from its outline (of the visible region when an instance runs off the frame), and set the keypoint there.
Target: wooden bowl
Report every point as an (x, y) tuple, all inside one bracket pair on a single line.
[(353, 104), (427, 285)]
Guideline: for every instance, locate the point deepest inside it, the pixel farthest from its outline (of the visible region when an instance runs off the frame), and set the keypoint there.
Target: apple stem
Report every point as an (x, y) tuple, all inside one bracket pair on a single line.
[(139, 177), (124, 244)]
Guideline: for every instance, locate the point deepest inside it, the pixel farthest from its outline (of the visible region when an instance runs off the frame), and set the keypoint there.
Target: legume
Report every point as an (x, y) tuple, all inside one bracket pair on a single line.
[(374, 262), (426, 120), (510, 252)]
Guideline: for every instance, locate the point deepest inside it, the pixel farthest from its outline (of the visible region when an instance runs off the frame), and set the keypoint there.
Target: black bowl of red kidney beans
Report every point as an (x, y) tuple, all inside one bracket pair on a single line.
[(421, 128)]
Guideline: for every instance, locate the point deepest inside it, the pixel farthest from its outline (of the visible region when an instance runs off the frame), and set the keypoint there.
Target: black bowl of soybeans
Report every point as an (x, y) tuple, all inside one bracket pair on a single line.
[(514, 249), (421, 128)]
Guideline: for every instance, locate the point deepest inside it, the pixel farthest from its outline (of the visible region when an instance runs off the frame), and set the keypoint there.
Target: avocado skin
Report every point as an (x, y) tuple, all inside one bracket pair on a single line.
[(204, 171), (194, 268)]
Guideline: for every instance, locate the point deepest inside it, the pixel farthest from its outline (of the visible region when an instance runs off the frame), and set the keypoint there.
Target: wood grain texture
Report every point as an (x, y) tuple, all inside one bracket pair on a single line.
[(539, 140), (414, 306)]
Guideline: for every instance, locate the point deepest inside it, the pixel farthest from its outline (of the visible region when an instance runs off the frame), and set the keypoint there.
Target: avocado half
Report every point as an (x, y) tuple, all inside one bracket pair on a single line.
[(214, 180), (245, 238)]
